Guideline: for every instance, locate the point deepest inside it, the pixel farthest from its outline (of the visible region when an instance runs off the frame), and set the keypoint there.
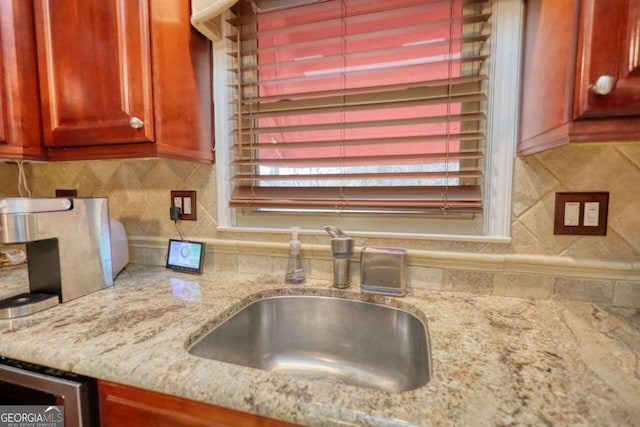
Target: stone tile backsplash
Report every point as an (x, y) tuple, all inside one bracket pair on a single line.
[(138, 192)]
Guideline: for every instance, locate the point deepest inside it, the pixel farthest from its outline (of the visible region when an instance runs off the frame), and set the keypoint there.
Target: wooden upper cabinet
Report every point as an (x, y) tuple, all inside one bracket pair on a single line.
[(20, 127), (95, 71), (122, 79), (182, 69), (608, 77), (581, 73)]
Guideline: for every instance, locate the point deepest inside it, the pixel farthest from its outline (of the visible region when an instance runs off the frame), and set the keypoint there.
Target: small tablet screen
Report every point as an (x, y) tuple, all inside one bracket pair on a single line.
[(185, 256)]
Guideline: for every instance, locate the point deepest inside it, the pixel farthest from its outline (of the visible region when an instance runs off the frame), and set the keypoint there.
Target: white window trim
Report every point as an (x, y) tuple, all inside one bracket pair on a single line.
[(503, 109)]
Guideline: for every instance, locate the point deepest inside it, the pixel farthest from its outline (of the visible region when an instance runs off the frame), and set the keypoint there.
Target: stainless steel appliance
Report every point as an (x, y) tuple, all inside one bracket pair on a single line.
[(24, 383), (68, 249)]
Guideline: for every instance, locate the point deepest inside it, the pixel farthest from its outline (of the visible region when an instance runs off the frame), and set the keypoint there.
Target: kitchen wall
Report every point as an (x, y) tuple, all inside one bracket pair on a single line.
[(8, 180), (535, 264)]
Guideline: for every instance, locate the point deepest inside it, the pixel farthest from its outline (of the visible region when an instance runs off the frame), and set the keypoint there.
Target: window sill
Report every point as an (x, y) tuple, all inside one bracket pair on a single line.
[(372, 234)]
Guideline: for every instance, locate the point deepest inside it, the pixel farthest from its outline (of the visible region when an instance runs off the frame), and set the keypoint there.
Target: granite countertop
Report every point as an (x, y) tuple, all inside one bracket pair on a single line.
[(496, 360)]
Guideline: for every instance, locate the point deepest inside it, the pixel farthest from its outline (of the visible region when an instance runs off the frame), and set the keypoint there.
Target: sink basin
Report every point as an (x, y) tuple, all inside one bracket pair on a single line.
[(325, 338)]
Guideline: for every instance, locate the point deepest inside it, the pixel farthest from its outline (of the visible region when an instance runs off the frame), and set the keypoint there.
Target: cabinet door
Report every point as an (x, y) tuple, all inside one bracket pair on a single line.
[(182, 83), (20, 135), (609, 48), (122, 405), (95, 72)]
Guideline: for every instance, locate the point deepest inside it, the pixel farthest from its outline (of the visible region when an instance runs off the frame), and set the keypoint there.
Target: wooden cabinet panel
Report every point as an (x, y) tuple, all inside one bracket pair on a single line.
[(95, 70), (20, 134), (73, 73), (548, 66), (129, 406), (568, 46), (182, 71), (608, 45)]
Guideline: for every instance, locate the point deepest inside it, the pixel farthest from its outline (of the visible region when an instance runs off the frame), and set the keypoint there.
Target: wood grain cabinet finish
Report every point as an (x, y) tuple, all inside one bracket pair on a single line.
[(20, 126), (123, 78), (122, 405), (95, 65), (608, 48), (581, 73)]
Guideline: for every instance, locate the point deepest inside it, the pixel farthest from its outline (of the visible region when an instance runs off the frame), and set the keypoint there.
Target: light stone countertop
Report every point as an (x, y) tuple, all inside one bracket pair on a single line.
[(496, 361)]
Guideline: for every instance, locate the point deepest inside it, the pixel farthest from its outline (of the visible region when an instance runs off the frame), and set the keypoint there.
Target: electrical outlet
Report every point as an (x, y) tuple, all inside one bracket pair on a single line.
[(177, 203), (582, 214), (66, 193), (186, 201)]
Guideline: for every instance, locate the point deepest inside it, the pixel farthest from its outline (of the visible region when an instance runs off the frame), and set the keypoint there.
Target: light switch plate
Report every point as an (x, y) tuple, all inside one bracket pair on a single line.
[(582, 214), (591, 214), (571, 214)]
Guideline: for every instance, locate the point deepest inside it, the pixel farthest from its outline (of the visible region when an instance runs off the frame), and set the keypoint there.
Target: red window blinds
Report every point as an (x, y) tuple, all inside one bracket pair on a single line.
[(360, 105)]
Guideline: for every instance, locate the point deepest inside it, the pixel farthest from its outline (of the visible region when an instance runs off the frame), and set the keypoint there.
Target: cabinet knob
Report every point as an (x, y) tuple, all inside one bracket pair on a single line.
[(136, 123), (604, 85)]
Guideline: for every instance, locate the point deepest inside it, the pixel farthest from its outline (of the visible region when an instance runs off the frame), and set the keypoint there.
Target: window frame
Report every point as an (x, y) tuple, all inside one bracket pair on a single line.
[(502, 126)]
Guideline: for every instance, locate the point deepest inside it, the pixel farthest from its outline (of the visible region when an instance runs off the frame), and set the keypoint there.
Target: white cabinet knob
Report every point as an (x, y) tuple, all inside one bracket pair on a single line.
[(136, 123), (604, 85)]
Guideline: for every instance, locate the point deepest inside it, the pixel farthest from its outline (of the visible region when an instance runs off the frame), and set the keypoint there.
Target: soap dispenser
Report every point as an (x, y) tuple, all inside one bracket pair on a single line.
[(295, 273)]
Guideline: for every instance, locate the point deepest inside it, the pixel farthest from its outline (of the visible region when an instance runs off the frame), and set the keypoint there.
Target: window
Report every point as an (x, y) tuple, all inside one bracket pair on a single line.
[(356, 112)]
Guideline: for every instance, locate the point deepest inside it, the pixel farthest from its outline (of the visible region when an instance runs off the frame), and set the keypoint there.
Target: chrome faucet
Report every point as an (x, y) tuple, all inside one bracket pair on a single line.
[(342, 251)]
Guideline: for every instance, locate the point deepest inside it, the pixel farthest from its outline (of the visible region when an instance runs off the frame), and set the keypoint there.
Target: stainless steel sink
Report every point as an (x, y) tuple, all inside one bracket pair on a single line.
[(325, 338)]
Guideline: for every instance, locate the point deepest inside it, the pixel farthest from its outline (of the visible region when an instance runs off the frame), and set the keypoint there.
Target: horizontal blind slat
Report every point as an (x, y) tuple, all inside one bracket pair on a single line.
[(428, 95), (464, 20), (453, 82), (359, 176), (417, 139), (360, 72), (383, 6), (337, 161), (469, 117), (319, 59), (442, 197)]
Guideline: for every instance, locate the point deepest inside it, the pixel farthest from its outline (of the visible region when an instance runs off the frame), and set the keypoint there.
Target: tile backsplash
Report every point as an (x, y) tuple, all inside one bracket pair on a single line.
[(138, 192)]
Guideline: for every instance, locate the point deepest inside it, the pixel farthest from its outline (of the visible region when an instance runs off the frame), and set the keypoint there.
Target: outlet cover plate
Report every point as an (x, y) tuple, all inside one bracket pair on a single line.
[(180, 199), (593, 209)]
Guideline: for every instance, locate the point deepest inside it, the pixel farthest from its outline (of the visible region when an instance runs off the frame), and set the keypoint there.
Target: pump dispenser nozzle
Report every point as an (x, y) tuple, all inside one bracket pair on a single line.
[(295, 273)]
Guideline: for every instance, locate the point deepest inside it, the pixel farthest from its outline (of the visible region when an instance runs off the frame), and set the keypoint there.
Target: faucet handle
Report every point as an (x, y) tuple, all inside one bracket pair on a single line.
[(334, 231), (341, 243)]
